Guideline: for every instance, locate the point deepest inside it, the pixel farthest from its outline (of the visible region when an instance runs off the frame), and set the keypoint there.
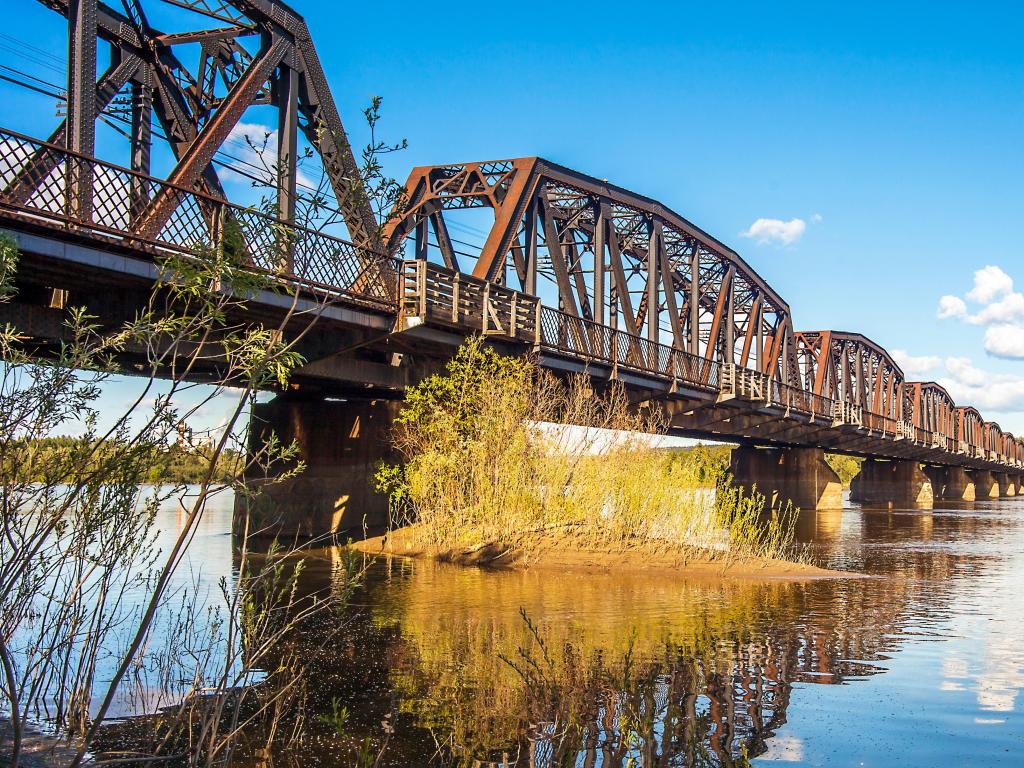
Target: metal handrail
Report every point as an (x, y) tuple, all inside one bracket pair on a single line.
[(317, 261)]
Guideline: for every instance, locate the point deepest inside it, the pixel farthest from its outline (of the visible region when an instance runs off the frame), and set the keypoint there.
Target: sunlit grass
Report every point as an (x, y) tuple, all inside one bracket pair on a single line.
[(486, 466)]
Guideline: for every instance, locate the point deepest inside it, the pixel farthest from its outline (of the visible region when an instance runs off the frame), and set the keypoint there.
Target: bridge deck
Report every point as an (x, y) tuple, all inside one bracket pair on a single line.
[(704, 396)]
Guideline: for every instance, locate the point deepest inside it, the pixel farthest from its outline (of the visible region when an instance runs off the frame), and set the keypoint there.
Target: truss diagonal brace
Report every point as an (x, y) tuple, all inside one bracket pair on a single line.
[(200, 152), (25, 182)]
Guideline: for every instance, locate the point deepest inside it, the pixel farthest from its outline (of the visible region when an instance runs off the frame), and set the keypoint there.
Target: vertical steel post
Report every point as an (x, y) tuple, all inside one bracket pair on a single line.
[(694, 330), (81, 135), (421, 238), (141, 142), (653, 244), (600, 233), (531, 246), (286, 87)]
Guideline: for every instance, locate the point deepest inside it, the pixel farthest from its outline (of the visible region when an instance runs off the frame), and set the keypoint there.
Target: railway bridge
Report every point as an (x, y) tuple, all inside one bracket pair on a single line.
[(585, 275)]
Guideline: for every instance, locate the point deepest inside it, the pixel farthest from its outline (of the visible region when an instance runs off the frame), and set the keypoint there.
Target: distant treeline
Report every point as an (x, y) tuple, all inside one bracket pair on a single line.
[(710, 460), (41, 460), (716, 457)]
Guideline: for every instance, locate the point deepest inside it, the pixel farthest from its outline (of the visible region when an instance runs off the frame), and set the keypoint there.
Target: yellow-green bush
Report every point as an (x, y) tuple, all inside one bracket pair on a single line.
[(497, 452)]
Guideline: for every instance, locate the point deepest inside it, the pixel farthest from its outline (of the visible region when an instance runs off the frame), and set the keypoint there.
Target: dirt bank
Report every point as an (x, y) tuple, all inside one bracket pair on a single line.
[(558, 552), (38, 748)]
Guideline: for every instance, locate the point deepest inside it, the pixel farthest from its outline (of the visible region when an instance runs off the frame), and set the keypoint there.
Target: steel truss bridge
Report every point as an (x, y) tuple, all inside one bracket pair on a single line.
[(589, 276)]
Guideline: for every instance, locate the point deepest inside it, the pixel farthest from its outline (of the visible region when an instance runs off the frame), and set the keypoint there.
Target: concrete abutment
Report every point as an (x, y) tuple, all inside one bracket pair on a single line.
[(959, 485), (892, 483), (341, 442), (800, 475)]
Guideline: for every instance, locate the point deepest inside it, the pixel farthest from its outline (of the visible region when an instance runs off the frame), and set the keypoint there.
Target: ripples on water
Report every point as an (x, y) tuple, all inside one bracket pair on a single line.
[(921, 665)]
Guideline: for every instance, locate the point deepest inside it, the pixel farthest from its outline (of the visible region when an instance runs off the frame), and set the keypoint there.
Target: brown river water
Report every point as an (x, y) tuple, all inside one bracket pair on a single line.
[(922, 664)]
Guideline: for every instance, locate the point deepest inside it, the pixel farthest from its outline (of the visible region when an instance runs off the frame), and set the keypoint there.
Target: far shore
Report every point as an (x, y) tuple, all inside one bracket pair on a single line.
[(547, 552)]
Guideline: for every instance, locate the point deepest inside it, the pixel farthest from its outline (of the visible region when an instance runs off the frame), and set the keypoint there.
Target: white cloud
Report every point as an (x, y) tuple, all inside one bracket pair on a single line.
[(817, 218), (256, 145), (776, 231), (989, 282), (951, 306), (1005, 341), (1001, 312), (912, 365), (1008, 309), (783, 748), (968, 385)]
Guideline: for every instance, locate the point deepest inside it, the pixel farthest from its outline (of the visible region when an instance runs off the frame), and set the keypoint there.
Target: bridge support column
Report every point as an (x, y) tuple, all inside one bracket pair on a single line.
[(892, 483), (800, 475), (939, 478), (985, 485), (341, 443), (1007, 486), (959, 485)]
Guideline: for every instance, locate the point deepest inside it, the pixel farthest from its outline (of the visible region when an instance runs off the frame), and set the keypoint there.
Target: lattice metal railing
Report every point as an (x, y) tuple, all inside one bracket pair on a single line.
[(35, 176)]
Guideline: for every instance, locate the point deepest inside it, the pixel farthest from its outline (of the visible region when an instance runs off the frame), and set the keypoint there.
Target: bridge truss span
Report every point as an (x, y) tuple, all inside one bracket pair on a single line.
[(603, 255), (587, 276)]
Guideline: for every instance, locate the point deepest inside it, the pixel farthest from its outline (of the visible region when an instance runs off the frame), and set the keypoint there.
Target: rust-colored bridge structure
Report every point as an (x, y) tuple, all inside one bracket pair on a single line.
[(585, 275)]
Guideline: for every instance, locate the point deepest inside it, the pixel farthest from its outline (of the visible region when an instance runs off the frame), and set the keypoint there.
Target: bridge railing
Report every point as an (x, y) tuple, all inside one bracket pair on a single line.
[(435, 294), (445, 297), (881, 425), (592, 341), (118, 210)]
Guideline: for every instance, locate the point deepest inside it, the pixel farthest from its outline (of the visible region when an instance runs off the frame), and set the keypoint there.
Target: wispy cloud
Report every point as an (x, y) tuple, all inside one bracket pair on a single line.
[(776, 231), (914, 366), (969, 385), (255, 145)]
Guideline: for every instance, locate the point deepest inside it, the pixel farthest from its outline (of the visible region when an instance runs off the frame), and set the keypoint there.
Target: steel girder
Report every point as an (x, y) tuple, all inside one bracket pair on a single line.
[(849, 368), (993, 437), (928, 406), (611, 256), (970, 428), (198, 107)]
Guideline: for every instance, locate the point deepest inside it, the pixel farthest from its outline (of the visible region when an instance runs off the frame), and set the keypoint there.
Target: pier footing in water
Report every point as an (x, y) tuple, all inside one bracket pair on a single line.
[(341, 443), (892, 483), (800, 475)]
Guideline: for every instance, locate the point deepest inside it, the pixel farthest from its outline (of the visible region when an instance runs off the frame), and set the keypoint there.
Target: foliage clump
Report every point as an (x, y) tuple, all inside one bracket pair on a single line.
[(847, 467), (498, 453)]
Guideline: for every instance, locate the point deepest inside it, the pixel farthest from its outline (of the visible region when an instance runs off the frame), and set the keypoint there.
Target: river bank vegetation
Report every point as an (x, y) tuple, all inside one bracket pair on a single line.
[(504, 459), (182, 462), (105, 647)]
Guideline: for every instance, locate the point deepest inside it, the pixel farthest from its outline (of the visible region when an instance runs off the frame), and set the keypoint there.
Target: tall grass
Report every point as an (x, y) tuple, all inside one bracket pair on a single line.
[(501, 454)]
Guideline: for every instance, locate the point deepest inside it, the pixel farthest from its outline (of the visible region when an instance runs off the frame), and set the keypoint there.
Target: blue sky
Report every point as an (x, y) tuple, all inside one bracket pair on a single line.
[(892, 135)]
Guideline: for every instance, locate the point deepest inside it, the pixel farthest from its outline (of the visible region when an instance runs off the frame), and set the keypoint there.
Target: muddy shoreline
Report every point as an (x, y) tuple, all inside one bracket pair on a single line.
[(564, 554)]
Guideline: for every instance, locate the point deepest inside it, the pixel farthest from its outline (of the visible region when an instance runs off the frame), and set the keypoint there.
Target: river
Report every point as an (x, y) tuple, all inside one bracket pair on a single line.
[(921, 664)]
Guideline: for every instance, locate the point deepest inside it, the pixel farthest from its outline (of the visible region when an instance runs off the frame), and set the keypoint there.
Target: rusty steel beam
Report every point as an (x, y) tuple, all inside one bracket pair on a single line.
[(187, 103), (609, 254), (850, 368)]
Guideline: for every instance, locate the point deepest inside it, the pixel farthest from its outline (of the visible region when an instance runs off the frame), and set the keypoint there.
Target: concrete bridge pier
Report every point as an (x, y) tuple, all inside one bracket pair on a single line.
[(800, 475), (1017, 482), (1007, 485), (892, 483), (985, 485), (959, 485), (939, 478), (341, 442)]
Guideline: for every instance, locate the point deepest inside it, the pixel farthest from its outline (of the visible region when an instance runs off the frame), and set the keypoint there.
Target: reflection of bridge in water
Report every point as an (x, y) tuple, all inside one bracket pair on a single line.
[(587, 275), (668, 671)]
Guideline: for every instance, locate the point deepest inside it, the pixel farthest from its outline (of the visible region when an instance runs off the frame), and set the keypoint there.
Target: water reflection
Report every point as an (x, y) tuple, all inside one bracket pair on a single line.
[(543, 668), (445, 665)]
